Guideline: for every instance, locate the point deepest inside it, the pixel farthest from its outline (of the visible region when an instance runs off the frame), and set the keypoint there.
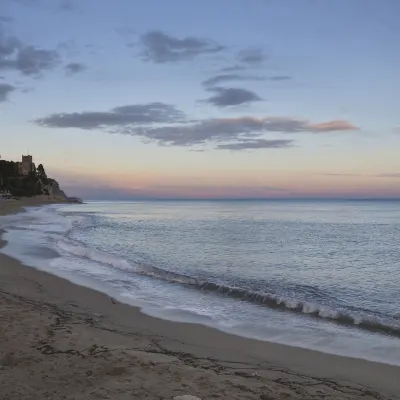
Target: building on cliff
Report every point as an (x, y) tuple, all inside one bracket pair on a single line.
[(23, 179), (26, 166)]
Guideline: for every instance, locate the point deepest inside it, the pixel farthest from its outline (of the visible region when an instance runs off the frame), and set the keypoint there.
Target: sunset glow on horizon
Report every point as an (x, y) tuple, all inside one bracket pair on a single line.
[(279, 100)]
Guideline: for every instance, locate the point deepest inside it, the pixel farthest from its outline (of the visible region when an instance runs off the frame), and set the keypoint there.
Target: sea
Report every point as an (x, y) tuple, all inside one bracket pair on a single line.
[(322, 275)]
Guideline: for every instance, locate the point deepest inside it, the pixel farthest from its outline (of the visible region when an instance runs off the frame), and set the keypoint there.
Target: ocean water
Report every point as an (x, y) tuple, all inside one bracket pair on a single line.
[(321, 275)]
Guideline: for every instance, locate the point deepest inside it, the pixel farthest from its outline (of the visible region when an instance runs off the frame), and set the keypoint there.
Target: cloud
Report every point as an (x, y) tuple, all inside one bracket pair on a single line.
[(335, 125), (251, 57), (226, 97), (221, 78), (165, 125), (280, 78), (293, 125), (256, 144), (233, 68), (117, 117), (5, 90), (159, 47), (247, 58), (200, 132), (26, 59), (74, 68), (217, 79), (32, 61), (8, 45), (225, 131)]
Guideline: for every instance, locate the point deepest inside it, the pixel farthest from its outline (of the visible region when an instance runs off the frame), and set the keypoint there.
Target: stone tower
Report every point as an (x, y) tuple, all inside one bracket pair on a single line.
[(26, 166)]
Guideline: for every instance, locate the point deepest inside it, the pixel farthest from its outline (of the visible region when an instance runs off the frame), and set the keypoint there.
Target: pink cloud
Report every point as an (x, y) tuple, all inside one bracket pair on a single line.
[(335, 125)]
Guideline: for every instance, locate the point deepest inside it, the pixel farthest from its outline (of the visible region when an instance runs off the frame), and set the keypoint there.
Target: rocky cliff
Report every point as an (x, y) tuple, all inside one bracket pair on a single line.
[(52, 188), (36, 183)]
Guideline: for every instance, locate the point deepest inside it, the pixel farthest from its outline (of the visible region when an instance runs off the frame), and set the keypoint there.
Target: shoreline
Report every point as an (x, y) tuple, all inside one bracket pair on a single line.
[(16, 206), (88, 330)]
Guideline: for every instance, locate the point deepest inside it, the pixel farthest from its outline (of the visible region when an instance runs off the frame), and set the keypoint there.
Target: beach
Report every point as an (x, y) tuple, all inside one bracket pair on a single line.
[(14, 206), (60, 340)]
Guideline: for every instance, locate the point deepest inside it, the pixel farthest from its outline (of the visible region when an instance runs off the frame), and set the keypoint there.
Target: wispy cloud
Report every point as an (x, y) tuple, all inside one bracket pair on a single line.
[(228, 97), (256, 144), (164, 124), (25, 59), (233, 68), (280, 78), (335, 125), (229, 131), (74, 68), (221, 78), (5, 90), (117, 117), (200, 132), (252, 56), (160, 47), (217, 79), (246, 60)]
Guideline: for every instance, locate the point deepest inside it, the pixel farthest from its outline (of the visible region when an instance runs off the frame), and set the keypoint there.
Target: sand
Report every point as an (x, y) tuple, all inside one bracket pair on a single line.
[(13, 206), (63, 341)]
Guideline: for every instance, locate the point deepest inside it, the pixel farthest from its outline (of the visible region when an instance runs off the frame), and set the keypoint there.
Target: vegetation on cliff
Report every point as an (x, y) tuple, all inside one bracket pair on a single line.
[(36, 183)]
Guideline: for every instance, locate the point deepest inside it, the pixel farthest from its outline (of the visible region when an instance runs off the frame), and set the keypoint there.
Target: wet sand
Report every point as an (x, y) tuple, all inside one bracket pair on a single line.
[(63, 341), (14, 206)]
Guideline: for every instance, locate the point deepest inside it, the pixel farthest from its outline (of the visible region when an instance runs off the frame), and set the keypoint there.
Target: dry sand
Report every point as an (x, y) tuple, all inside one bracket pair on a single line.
[(62, 341)]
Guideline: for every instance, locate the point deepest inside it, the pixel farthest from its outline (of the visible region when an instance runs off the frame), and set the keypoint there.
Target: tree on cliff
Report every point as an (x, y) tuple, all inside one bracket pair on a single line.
[(41, 173), (35, 183)]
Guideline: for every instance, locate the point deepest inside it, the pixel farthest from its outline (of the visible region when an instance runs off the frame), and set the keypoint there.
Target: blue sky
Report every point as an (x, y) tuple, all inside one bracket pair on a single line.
[(112, 96)]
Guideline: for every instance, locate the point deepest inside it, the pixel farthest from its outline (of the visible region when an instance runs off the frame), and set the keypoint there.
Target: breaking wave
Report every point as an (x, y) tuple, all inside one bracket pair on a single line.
[(389, 325)]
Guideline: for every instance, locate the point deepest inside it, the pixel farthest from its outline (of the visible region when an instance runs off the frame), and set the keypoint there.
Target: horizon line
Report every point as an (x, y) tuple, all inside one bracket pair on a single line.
[(247, 199)]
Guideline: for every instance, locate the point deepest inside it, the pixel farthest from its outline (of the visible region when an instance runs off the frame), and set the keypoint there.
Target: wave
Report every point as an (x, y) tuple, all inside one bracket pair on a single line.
[(274, 301), (81, 251), (372, 323)]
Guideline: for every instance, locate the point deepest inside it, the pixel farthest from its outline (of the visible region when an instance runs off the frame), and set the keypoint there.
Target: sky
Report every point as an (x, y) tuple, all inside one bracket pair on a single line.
[(204, 99)]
